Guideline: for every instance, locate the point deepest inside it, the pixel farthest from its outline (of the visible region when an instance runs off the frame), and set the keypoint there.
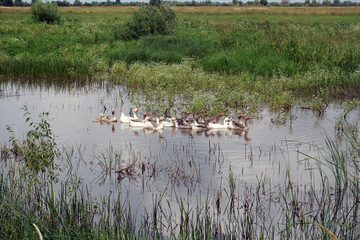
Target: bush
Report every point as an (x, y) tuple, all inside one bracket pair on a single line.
[(149, 20), (45, 12)]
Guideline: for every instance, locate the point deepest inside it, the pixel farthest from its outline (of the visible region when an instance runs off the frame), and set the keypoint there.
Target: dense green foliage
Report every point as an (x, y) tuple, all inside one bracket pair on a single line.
[(45, 12), (150, 20)]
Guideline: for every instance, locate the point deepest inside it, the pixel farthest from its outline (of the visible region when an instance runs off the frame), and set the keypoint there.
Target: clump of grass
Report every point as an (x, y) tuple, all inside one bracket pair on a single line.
[(186, 43), (45, 67)]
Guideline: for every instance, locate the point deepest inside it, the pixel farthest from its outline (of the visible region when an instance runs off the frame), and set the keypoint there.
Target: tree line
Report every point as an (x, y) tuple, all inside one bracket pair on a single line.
[(65, 3)]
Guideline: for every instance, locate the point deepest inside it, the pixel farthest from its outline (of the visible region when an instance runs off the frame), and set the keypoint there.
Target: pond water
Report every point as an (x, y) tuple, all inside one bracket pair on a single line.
[(200, 160)]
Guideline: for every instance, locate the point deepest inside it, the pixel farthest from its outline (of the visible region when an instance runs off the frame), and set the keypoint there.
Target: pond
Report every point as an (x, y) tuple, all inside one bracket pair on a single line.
[(178, 162)]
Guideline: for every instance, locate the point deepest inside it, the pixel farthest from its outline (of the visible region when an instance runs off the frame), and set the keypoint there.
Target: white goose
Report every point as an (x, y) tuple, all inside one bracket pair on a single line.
[(141, 123), (218, 125), (169, 122), (196, 126), (126, 119)]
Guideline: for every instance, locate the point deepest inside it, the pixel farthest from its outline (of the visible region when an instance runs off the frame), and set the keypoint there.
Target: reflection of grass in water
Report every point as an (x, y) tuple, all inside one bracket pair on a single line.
[(268, 211)]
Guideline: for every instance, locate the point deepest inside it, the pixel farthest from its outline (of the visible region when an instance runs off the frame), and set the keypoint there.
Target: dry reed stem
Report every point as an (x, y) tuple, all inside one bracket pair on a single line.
[(38, 231), (358, 177), (333, 237), (16, 170), (53, 192)]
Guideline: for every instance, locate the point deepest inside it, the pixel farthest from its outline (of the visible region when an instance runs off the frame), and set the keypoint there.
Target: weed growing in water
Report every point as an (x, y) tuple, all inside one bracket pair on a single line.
[(38, 150)]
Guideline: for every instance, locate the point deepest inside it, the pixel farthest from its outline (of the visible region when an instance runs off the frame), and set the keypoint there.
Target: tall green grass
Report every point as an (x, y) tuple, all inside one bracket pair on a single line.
[(261, 48), (45, 67), (249, 60)]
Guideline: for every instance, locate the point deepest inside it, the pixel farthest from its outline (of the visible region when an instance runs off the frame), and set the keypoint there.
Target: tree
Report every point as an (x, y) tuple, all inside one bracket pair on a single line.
[(8, 3), (63, 3), (337, 2), (18, 3), (264, 2), (235, 2), (108, 3), (307, 2), (77, 3), (118, 2), (155, 2)]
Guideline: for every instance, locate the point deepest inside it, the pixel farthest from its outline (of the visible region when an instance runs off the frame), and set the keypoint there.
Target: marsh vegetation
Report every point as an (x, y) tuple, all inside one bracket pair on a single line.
[(275, 60), (90, 180), (49, 194)]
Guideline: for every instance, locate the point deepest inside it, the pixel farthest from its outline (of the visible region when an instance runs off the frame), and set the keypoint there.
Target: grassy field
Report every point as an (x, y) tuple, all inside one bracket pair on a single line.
[(234, 58)]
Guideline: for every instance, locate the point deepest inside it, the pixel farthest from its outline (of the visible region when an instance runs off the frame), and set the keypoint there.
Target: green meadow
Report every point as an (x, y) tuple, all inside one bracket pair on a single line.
[(233, 59)]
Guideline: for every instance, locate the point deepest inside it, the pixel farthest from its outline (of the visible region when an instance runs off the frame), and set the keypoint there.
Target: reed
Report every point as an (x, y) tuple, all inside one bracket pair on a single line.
[(329, 200)]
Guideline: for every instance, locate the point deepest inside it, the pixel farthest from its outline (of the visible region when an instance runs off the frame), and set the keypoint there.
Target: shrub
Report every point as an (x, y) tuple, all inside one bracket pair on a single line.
[(38, 150), (149, 20), (45, 12)]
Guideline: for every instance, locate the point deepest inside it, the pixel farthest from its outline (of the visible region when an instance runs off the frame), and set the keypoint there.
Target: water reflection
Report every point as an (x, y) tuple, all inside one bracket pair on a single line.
[(192, 160)]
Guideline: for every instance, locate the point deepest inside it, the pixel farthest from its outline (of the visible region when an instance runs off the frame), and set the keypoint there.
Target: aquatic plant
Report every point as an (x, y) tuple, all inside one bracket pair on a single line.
[(38, 150)]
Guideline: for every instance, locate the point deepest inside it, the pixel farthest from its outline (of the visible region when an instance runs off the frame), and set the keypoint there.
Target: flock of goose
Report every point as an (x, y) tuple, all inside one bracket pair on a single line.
[(188, 120)]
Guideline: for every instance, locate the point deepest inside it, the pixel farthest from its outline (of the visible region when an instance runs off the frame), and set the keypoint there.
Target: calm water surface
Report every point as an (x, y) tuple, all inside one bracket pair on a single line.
[(200, 160)]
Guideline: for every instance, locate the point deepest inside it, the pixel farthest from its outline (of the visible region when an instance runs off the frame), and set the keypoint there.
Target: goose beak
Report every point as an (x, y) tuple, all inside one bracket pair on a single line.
[(136, 109)]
